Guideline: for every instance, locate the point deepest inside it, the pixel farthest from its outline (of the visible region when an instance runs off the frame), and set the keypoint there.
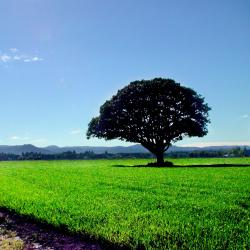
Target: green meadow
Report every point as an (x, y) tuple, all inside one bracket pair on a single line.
[(197, 204)]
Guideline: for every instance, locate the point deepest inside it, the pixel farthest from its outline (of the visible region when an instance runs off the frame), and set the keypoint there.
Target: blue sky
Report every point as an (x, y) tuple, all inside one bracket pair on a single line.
[(60, 60)]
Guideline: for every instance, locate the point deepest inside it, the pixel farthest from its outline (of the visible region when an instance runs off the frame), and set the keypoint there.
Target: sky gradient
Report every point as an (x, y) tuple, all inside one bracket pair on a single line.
[(60, 60)]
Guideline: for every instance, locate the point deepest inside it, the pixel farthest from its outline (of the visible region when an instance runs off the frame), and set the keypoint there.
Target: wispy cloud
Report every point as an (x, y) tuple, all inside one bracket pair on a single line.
[(5, 58), (15, 137), (245, 116), (75, 131), (17, 58), (32, 59), (39, 140), (13, 55), (28, 139), (36, 59), (13, 50), (62, 83)]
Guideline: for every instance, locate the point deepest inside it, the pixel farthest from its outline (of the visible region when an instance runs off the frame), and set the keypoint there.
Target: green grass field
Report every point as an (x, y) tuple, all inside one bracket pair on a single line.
[(136, 207)]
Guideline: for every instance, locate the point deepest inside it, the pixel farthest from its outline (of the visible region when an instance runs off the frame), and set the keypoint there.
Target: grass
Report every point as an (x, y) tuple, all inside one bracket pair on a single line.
[(136, 207)]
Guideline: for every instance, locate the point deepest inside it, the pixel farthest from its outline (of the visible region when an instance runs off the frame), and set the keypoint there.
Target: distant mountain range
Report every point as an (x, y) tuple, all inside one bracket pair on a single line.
[(27, 148)]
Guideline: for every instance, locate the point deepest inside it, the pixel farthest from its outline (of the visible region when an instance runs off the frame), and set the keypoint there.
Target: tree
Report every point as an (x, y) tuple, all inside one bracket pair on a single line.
[(154, 113)]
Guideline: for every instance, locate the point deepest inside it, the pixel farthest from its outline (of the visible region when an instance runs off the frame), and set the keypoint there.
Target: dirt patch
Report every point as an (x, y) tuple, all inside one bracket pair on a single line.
[(16, 233)]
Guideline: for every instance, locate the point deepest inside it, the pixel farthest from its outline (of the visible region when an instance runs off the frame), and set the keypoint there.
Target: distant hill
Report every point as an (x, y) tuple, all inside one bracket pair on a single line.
[(19, 149), (27, 148)]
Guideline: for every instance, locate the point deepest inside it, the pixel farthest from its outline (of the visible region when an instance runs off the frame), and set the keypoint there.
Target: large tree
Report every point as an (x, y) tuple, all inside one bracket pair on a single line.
[(154, 113)]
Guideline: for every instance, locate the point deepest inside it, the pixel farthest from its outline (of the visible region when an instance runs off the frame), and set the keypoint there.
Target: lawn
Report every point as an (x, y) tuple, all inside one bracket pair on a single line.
[(136, 207)]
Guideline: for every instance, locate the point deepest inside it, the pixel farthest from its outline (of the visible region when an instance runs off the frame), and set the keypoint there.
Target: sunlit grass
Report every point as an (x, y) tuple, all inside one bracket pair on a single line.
[(187, 207)]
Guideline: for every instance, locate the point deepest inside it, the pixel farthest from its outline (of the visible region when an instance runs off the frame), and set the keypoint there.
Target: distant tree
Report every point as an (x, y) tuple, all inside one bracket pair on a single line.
[(154, 113)]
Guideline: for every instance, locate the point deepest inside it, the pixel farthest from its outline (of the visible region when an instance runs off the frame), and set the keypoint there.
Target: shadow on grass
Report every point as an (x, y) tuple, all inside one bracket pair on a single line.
[(183, 166), (34, 231)]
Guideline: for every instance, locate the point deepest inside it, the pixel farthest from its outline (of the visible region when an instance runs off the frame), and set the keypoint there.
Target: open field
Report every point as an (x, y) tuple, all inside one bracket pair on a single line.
[(136, 207)]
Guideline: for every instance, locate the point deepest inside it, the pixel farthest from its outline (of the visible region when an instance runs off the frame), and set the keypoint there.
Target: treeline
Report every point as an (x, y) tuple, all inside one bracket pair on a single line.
[(72, 155), (234, 152)]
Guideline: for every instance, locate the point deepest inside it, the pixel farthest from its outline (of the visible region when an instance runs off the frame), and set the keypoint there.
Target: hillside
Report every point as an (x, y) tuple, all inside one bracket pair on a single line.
[(27, 148)]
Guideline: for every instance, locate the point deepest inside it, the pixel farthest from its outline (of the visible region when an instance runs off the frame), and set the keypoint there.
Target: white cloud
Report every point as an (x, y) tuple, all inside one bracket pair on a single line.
[(36, 58), (15, 137), (13, 50), (26, 139), (14, 55), (17, 58), (27, 60), (39, 140), (245, 116), (32, 59), (5, 58), (75, 131)]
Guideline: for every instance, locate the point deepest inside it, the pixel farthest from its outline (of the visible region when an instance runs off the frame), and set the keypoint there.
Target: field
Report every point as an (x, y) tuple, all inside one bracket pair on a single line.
[(188, 206)]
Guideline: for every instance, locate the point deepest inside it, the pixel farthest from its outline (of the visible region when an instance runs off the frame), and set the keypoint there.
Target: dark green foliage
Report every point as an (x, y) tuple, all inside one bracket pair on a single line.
[(202, 153), (71, 155), (154, 113)]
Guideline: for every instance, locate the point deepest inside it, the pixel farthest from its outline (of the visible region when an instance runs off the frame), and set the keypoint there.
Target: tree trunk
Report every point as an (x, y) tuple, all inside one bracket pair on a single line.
[(160, 158), (158, 152)]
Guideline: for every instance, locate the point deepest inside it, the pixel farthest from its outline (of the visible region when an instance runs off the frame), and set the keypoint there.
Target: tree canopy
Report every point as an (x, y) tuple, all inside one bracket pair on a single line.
[(154, 113)]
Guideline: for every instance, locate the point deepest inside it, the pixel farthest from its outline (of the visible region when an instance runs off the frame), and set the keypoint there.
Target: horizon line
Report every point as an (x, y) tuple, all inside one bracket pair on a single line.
[(197, 145)]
